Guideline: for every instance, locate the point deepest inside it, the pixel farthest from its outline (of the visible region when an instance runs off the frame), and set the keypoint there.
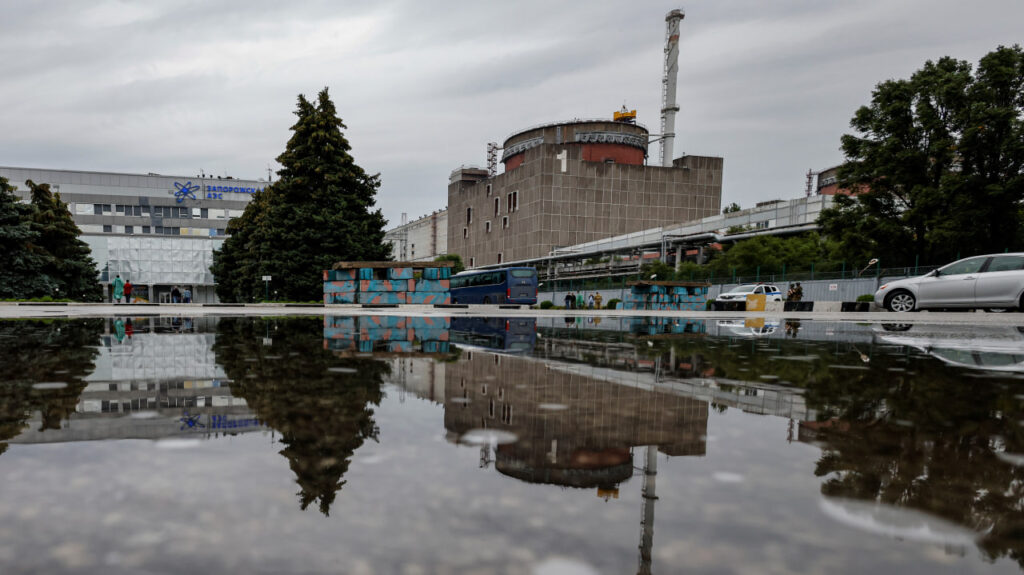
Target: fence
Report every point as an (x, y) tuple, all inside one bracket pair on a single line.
[(831, 287)]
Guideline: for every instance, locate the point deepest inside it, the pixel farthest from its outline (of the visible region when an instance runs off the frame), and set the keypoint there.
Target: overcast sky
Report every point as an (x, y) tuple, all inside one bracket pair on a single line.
[(177, 86)]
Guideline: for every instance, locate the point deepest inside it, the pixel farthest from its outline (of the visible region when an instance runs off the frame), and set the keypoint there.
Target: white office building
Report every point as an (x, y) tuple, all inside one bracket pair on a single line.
[(158, 232)]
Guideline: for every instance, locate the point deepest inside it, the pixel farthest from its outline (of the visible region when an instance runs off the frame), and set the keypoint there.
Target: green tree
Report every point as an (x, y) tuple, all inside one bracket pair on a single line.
[(70, 264), (457, 267), (939, 158), (733, 207), (319, 212), (22, 266)]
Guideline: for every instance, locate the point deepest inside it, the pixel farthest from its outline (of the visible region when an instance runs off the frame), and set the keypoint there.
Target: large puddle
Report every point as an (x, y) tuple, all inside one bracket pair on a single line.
[(509, 445)]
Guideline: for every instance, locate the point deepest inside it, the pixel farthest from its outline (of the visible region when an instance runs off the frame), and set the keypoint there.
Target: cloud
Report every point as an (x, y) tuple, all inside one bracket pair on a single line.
[(179, 85)]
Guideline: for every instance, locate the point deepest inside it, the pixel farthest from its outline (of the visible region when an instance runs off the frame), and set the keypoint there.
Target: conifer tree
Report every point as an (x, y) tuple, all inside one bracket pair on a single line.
[(22, 267), (319, 212), (69, 263)]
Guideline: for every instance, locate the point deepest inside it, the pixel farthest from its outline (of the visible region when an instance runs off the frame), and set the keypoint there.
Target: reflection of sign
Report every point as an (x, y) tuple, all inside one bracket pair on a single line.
[(190, 421), (833, 287), (225, 422), (187, 190)]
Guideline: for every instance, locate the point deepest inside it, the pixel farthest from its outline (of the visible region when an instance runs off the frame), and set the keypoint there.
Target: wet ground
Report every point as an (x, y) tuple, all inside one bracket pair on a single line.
[(391, 444)]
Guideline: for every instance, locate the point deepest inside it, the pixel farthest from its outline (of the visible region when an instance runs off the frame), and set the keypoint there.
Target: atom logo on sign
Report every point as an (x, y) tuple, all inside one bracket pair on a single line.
[(190, 421), (187, 190)]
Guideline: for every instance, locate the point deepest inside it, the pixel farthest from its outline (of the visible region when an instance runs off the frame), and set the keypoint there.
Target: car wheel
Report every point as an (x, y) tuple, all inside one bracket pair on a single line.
[(997, 309), (897, 326), (901, 301)]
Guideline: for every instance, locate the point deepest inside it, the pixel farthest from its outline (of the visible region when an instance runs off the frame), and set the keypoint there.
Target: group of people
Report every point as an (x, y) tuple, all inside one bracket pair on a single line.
[(123, 292), (795, 293), (581, 301), (181, 296)]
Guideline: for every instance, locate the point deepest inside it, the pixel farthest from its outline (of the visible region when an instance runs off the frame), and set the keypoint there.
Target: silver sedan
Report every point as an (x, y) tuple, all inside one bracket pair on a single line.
[(994, 282)]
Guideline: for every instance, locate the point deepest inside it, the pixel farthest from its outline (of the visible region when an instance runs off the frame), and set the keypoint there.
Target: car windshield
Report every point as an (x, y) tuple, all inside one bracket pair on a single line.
[(743, 288)]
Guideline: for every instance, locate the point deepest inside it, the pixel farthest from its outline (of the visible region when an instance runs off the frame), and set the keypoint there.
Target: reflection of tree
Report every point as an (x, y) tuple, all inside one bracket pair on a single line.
[(928, 441), (318, 402), (34, 352)]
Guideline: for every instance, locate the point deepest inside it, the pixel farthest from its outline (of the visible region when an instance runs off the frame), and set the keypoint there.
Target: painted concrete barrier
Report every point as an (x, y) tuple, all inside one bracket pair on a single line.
[(388, 283), (666, 296)]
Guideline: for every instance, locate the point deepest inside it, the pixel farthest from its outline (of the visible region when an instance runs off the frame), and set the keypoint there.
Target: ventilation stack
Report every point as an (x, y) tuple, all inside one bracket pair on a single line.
[(668, 85)]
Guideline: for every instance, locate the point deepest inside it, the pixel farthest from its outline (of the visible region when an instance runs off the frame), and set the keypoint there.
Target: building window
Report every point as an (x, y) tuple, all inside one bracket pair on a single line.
[(469, 216), (497, 206), (145, 229), (465, 233), (129, 229), (487, 226), (97, 209), (512, 201), (106, 208), (488, 189), (499, 257), (108, 229), (119, 209), (160, 230), (472, 262), (204, 212), (504, 222)]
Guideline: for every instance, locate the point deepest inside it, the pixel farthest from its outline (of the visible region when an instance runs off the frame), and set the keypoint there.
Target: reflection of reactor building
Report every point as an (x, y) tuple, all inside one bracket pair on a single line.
[(572, 429)]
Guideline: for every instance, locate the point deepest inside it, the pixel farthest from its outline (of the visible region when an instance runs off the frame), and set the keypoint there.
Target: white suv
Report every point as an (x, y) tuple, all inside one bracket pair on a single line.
[(740, 292)]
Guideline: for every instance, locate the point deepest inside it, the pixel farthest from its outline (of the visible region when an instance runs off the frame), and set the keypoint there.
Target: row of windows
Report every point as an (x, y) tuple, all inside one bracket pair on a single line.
[(156, 230), (181, 212), (511, 205), (487, 227)]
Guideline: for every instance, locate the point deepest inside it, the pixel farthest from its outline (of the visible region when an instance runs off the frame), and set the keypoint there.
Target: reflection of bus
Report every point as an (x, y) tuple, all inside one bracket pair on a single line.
[(511, 334), (505, 285)]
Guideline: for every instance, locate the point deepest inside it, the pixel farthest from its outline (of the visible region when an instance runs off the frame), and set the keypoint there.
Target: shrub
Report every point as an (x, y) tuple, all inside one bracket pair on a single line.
[(547, 304), (866, 297), (710, 304), (612, 303)]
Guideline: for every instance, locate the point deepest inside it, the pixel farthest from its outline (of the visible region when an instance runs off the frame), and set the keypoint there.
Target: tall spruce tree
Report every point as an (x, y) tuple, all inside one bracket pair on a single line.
[(319, 212), (70, 264), (940, 159), (22, 266)]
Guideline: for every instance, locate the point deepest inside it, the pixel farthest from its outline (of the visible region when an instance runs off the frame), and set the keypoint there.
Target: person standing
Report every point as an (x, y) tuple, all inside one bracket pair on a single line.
[(118, 289), (798, 292), (569, 300), (128, 291), (175, 295), (597, 300), (579, 300), (188, 295), (590, 301)]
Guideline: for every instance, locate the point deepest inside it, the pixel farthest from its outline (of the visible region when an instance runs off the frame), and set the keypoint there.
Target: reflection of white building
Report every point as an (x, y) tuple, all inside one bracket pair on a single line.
[(151, 386), (156, 231)]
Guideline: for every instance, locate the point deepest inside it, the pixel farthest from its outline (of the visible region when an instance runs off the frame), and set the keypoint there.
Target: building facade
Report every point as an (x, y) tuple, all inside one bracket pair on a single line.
[(571, 183), (158, 232), (420, 240)]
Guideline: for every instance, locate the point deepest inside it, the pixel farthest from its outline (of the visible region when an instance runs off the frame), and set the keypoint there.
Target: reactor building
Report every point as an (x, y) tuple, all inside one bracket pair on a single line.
[(577, 181)]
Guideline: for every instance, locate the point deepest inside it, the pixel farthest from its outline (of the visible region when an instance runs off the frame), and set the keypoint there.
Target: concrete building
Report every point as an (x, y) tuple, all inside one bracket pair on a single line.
[(422, 239), (156, 231), (570, 183)]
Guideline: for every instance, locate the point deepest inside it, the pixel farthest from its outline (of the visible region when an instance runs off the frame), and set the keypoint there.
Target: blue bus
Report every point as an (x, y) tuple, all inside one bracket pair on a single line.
[(504, 285)]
